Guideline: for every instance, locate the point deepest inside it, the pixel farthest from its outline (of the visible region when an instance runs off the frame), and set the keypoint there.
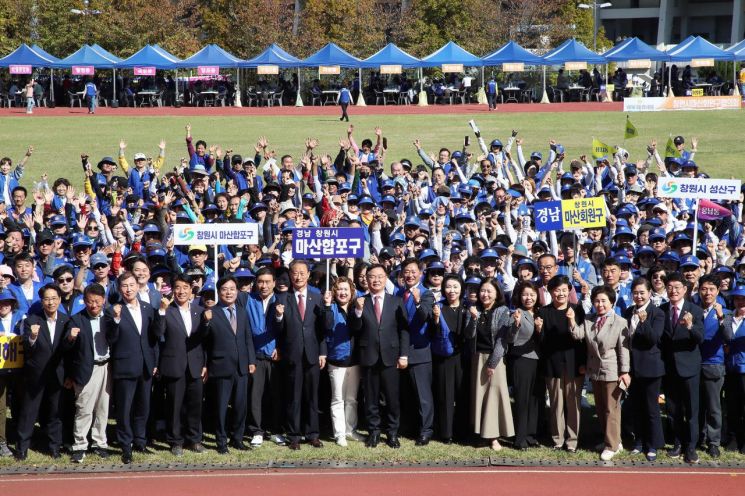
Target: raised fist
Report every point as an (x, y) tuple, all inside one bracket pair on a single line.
[(538, 324), (570, 314), (208, 315), (474, 312), (517, 316), (360, 303), (74, 333), (35, 331), (328, 298), (436, 312), (117, 310), (280, 309), (642, 314)]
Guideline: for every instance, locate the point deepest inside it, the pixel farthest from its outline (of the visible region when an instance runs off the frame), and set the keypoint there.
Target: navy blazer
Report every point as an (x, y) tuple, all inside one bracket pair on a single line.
[(387, 340), (134, 355), (646, 355), (183, 353), (298, 339), (44, 359), (228, 353), (79, 360), (681, 346)]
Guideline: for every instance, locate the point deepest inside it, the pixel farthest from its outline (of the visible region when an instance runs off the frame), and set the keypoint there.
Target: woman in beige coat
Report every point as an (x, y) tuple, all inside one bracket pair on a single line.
[(608, 362)]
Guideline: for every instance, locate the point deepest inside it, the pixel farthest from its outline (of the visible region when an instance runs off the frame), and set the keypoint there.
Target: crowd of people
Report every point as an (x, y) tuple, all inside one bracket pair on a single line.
[(461, 323)]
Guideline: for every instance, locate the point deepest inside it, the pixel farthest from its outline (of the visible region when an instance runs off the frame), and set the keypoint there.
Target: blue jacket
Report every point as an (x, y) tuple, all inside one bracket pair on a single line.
[(712, 348), (12, 180), (263, 329), (735, 360)]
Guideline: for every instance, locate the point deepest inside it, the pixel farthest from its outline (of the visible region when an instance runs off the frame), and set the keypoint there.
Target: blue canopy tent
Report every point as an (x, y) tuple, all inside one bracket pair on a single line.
[(150, 56), (511, 53), (274, 57), (389, 55), (449, 54), (634, 49), (738, 51), (99, 58), (571, 51), (105, 53), (43, 52), (695, 48), (212, 55), (35, 57), (330, 55)]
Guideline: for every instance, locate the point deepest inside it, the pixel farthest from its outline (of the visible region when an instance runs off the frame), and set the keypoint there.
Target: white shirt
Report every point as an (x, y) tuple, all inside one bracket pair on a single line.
[(186, 317), (680, 309), (136, 312), (265, 302), (7, 324), (635, 318), (100, 346), (380, 296), (28, 291), (52, 324), (144, 295)]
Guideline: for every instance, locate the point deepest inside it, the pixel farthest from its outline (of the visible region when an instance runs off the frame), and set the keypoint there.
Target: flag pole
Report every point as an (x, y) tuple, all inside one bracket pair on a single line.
[(328, 274), (695, 227)]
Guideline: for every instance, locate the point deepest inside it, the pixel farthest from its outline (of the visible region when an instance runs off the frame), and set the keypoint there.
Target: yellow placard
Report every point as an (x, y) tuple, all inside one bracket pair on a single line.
[(452, 67), (390, 69), (11, 352), (697, 92), (267, 69), (639, 64), (702, 63), (575, 66), (583, 213), (513, 67), (329, 70)]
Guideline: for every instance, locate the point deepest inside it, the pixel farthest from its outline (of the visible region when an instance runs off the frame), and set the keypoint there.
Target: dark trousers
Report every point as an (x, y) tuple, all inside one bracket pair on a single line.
[(265, 386), (132, 398), (386, 379), (420, 379), (44, 398), (735, 398), (681, 396), (645, 410), (492, 98), (528, 391), (5, 379), (344, 115), (183, 400), (447, 382), (710, 415), (301, 400), (234, 387)]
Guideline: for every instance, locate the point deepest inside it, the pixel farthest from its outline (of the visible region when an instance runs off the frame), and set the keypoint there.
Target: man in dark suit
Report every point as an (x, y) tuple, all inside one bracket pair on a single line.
[(230, 358), (133, 329), (646, 325), (683, 335), (87, 373), (43, 372), (418, 302), (302, 348), (183, 368), (380, 325)]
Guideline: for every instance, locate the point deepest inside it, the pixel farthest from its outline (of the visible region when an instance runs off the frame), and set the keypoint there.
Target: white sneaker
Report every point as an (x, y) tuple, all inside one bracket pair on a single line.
[(356, 436), (607, 455), (257, 440), (278, 439), (342, 441)]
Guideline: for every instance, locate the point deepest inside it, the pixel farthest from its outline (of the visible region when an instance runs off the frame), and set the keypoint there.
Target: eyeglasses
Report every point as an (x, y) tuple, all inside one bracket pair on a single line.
[(546, 268), (375, 278), (100, 266), (7, 276), (64, 280), (91, 228)]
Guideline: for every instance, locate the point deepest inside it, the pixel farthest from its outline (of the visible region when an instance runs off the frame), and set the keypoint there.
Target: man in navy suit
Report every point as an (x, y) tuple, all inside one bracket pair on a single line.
[(381, 327), (302, 348), (43, 372), (230, 358), (133, 330), (681, 340)]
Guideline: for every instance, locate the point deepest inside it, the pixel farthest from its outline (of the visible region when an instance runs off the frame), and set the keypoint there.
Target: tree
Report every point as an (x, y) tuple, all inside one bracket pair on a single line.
[(578, 23)]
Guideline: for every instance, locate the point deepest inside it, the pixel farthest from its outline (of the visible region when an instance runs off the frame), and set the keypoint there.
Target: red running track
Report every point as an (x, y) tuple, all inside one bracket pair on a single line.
[(508, 481), (310, 111)]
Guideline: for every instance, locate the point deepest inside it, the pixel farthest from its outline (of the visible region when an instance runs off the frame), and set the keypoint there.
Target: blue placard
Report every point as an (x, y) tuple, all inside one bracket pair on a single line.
[(547, 216), (328, 242)]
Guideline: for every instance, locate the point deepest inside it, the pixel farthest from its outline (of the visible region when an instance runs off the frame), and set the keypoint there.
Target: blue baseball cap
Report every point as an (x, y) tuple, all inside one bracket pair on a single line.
[(690, 261)]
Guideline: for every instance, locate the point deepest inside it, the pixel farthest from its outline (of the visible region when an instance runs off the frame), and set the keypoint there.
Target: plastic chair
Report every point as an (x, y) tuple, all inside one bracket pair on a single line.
[(277, 98)]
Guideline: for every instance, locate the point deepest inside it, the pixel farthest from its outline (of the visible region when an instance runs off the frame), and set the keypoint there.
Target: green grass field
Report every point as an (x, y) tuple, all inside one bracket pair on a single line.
[(59, 141)]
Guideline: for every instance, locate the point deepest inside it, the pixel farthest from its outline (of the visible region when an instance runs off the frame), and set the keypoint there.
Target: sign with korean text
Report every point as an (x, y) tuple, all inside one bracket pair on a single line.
[(697, 92), (329, 70), (20, 69), (702, 63), (328, 242), (208, 70), (452, 67), (82, 70), (11, 352), (689, 187), (569, 214), (216, 234), (575, 66), (654, 104), (144, 71), (390, 69), (639, 64), (267, 69), (513, 67)]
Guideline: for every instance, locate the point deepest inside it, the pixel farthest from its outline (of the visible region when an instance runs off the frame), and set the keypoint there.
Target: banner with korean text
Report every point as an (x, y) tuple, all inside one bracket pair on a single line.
[(654, 104), (690, 187), (11, 352), (216, 234), (569, 214), (328, 242)]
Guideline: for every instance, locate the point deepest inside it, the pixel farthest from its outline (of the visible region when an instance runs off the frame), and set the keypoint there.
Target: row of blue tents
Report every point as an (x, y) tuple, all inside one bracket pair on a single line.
[(693, 47)]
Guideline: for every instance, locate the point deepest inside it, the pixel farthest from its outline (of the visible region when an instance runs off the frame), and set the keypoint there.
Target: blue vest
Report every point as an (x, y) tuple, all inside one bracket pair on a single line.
[(90, 89), (338, 338), (263, 330), (712, 348), (735, 361), (417, 329), (442, 342), (491, 87), (345, 96)]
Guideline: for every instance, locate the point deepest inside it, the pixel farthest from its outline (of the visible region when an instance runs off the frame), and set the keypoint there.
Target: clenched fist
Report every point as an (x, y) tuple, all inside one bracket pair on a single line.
[(117, 311), (538, 324), (360, 303), (208, 315), (35, 331), (328, 298), (642, 314), (74, 333), (687, 320), (436, 313), (280, 309), (570, 314), (517, 316), (474, 312)]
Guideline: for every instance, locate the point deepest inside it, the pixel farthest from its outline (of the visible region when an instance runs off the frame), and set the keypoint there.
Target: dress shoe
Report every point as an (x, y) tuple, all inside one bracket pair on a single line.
[(197, 448), (691, 457), (21, 455), (316, 443), (177, 450), (422, 441), (393, 442), (674, 452), (239, 445), (295, 445), (523, 446), (713, 451), (142, 449), (100, 452), (652, 455), (532, 442), (372, 440), (222, 450), (55, 454), (77, 456), (447, 440), (127, 457)]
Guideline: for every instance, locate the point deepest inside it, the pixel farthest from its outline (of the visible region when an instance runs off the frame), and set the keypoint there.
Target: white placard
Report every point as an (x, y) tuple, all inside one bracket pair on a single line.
[(696, 187), (452, 67), (575, 66), (328, 70), (513, 67), (216, 234), (390, 69), (267, 69)]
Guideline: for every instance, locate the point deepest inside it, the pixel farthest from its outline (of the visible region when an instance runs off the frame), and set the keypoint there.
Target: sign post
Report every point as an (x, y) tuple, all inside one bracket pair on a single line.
[(328, 243)]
